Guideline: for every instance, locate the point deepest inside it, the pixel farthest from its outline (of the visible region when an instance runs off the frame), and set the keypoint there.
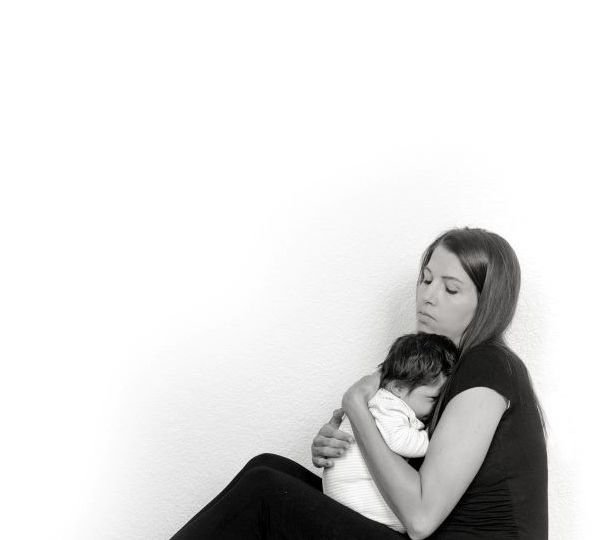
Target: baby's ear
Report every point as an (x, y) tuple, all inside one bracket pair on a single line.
[(396, 389)]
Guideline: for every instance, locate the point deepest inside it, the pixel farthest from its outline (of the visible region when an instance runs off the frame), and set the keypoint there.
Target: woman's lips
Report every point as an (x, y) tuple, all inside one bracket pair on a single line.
[(424, 317)]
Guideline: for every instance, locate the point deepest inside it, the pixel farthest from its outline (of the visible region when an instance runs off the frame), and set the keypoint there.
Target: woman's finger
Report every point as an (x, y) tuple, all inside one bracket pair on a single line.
[(337, 418), (328, 450), (330, 432), (322, 441), (322, 462)]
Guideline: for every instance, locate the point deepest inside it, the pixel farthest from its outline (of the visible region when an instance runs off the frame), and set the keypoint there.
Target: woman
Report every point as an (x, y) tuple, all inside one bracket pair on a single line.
[(484, 475)]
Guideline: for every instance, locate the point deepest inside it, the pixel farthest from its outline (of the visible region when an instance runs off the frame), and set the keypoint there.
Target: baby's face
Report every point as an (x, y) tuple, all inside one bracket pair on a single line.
[(422, 398)]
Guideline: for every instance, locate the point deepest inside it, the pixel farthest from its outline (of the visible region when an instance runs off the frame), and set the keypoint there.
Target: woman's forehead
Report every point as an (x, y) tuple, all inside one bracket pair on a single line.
[(446, 263)]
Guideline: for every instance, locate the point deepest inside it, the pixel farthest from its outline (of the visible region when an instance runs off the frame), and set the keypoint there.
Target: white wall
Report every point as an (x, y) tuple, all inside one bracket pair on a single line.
[(211, 219)]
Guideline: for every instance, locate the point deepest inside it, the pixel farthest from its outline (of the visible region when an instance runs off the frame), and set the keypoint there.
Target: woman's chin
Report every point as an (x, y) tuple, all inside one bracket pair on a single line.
[(423, 328)]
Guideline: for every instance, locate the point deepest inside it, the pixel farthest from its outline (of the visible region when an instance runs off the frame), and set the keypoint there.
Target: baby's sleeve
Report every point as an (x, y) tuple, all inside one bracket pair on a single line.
[(402, 437)]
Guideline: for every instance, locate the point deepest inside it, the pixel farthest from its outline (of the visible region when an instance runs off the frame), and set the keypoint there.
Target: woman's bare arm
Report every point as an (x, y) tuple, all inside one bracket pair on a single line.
[(423, 499)]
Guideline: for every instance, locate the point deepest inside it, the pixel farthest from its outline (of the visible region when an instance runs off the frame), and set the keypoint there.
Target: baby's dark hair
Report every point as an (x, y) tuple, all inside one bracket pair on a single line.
[(418, 360)]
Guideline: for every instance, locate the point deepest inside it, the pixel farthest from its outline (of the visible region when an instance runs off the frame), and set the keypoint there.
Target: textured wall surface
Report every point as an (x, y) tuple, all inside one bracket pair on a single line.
[(213, 223)]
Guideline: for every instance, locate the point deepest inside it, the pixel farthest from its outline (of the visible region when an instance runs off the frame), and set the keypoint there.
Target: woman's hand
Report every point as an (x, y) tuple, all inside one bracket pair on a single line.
[(330, 442), (361, 392)]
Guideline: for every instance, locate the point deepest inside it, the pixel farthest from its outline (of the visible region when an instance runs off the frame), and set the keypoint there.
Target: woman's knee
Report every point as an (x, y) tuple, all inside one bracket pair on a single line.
[(287, 466), (262, 481), (266, 460)]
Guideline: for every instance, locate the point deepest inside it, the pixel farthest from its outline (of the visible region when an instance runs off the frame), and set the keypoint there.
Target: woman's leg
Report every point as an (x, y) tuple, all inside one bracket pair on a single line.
[(266, 503), (272, 461)]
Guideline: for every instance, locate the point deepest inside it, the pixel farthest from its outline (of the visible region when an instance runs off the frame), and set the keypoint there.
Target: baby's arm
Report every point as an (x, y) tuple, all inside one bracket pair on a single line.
[(401, 437)]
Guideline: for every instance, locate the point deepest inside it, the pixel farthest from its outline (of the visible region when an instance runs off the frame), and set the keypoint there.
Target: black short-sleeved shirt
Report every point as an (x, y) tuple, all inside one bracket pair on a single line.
[(508, 496)]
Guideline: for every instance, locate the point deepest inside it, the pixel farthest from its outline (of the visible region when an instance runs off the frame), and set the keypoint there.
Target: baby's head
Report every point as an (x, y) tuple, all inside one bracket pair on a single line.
[(416, 369)]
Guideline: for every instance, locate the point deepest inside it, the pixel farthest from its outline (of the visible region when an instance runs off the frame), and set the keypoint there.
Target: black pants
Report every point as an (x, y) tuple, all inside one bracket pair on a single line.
[(275, 498)]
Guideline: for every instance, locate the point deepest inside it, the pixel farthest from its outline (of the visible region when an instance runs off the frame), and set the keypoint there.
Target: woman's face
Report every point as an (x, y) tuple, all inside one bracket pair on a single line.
[(446, 298)]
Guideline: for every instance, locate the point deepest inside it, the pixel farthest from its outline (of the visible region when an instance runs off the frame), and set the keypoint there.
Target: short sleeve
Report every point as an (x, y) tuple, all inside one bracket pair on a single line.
[(488, 366)]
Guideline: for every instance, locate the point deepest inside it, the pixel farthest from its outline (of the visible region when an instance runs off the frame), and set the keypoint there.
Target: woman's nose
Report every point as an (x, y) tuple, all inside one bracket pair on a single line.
[(430, 293)]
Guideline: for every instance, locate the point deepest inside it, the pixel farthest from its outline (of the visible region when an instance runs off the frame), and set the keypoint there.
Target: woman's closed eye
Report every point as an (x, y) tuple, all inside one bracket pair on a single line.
[(451, 286), (447, 289)]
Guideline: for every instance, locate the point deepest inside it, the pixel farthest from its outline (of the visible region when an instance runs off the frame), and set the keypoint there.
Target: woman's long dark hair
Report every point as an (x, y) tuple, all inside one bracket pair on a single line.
[(492, 265)]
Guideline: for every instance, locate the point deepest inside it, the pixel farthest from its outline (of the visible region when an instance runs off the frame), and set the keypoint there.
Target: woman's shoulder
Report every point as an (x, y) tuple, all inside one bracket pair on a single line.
[(493, 357), (488, 365)]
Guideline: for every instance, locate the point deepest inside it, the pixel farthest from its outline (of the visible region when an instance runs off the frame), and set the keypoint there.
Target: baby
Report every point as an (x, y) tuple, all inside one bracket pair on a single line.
[(411, 379)]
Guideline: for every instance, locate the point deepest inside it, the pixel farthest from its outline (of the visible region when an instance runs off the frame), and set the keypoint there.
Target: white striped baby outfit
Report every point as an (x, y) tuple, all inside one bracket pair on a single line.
[(349, 481)]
